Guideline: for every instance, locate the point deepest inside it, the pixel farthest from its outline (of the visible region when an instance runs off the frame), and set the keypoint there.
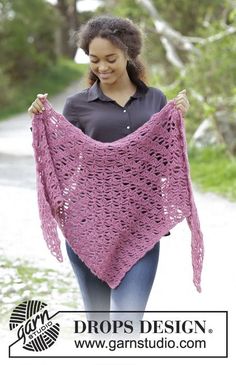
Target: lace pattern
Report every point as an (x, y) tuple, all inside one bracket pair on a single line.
[(114, 200)]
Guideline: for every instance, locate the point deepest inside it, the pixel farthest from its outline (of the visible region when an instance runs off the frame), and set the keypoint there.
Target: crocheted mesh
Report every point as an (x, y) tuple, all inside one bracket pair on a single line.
[(113, 201)]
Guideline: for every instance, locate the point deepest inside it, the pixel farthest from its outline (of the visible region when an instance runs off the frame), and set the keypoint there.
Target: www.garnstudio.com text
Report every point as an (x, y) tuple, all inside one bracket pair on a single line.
[(161, 343)]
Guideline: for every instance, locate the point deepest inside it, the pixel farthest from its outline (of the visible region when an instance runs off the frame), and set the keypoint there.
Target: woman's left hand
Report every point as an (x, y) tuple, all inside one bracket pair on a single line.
[(182, 102)]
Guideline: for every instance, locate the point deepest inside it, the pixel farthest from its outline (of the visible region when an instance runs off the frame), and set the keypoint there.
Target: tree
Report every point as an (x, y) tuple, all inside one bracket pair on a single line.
[(27, 35), (193, 46)]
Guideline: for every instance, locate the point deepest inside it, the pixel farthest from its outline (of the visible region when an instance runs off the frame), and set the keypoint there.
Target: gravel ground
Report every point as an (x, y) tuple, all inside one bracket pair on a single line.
[(21, 238)]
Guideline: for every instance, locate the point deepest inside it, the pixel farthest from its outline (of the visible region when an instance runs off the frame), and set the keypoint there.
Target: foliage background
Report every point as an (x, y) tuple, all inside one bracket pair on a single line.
[(37, 42)]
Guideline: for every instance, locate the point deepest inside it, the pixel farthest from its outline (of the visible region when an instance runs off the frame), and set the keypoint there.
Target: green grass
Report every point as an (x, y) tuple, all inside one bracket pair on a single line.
[(21, 280), (212, 170), (52, 81)]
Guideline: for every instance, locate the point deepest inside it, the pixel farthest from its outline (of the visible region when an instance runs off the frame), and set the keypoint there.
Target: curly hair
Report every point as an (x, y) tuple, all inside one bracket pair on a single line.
[(123, 33)]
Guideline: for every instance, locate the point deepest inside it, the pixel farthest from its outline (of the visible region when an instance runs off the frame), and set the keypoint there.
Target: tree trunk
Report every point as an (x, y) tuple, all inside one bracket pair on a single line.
[(70, 24)]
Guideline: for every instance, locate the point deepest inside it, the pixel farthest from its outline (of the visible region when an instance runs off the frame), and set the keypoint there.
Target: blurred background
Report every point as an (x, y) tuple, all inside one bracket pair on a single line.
[(187, 45)]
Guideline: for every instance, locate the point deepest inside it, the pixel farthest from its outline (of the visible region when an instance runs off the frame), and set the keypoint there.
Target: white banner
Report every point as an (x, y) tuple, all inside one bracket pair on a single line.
[(158, 334)]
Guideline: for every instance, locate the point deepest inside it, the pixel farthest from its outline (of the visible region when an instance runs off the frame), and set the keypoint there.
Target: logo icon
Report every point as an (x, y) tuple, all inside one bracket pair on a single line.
[(34, 325)]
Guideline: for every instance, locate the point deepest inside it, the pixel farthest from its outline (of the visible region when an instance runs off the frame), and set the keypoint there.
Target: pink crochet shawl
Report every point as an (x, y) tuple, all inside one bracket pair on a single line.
[(114, 201)]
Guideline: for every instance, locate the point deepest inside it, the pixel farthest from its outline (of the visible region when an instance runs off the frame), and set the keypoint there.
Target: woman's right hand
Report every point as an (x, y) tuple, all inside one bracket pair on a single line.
[(37, 105)]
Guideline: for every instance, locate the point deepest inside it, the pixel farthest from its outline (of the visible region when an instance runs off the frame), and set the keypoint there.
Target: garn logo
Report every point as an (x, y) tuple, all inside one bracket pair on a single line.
[(36, 330)]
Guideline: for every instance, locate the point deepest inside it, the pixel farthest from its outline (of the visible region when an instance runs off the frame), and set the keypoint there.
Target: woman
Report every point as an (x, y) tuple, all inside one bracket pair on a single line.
[(116, 103)]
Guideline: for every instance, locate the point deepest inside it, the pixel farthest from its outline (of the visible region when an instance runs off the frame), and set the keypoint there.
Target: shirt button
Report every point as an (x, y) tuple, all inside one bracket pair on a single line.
[(128, 127), (124, 110)]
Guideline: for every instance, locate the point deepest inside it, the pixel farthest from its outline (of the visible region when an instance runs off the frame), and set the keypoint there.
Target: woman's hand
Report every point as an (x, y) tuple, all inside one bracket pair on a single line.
[(182, 102), (37, 105)]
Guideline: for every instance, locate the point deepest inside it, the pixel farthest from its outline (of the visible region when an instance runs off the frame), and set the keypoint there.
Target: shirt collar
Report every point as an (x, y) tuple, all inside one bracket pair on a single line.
[(95, 92)]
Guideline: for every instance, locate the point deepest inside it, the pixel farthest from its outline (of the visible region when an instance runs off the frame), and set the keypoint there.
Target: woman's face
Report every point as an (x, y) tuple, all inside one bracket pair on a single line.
[(107, 61)]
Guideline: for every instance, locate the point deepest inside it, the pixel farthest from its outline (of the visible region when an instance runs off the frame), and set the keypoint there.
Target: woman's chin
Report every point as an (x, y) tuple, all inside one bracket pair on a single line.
[(106, 79)]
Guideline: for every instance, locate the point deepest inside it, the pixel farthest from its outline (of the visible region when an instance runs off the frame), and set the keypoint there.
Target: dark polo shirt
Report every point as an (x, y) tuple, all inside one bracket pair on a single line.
[(104, 120)]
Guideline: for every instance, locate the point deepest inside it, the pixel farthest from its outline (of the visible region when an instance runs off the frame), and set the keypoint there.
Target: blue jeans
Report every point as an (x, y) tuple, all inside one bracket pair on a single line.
[(131, 294)]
